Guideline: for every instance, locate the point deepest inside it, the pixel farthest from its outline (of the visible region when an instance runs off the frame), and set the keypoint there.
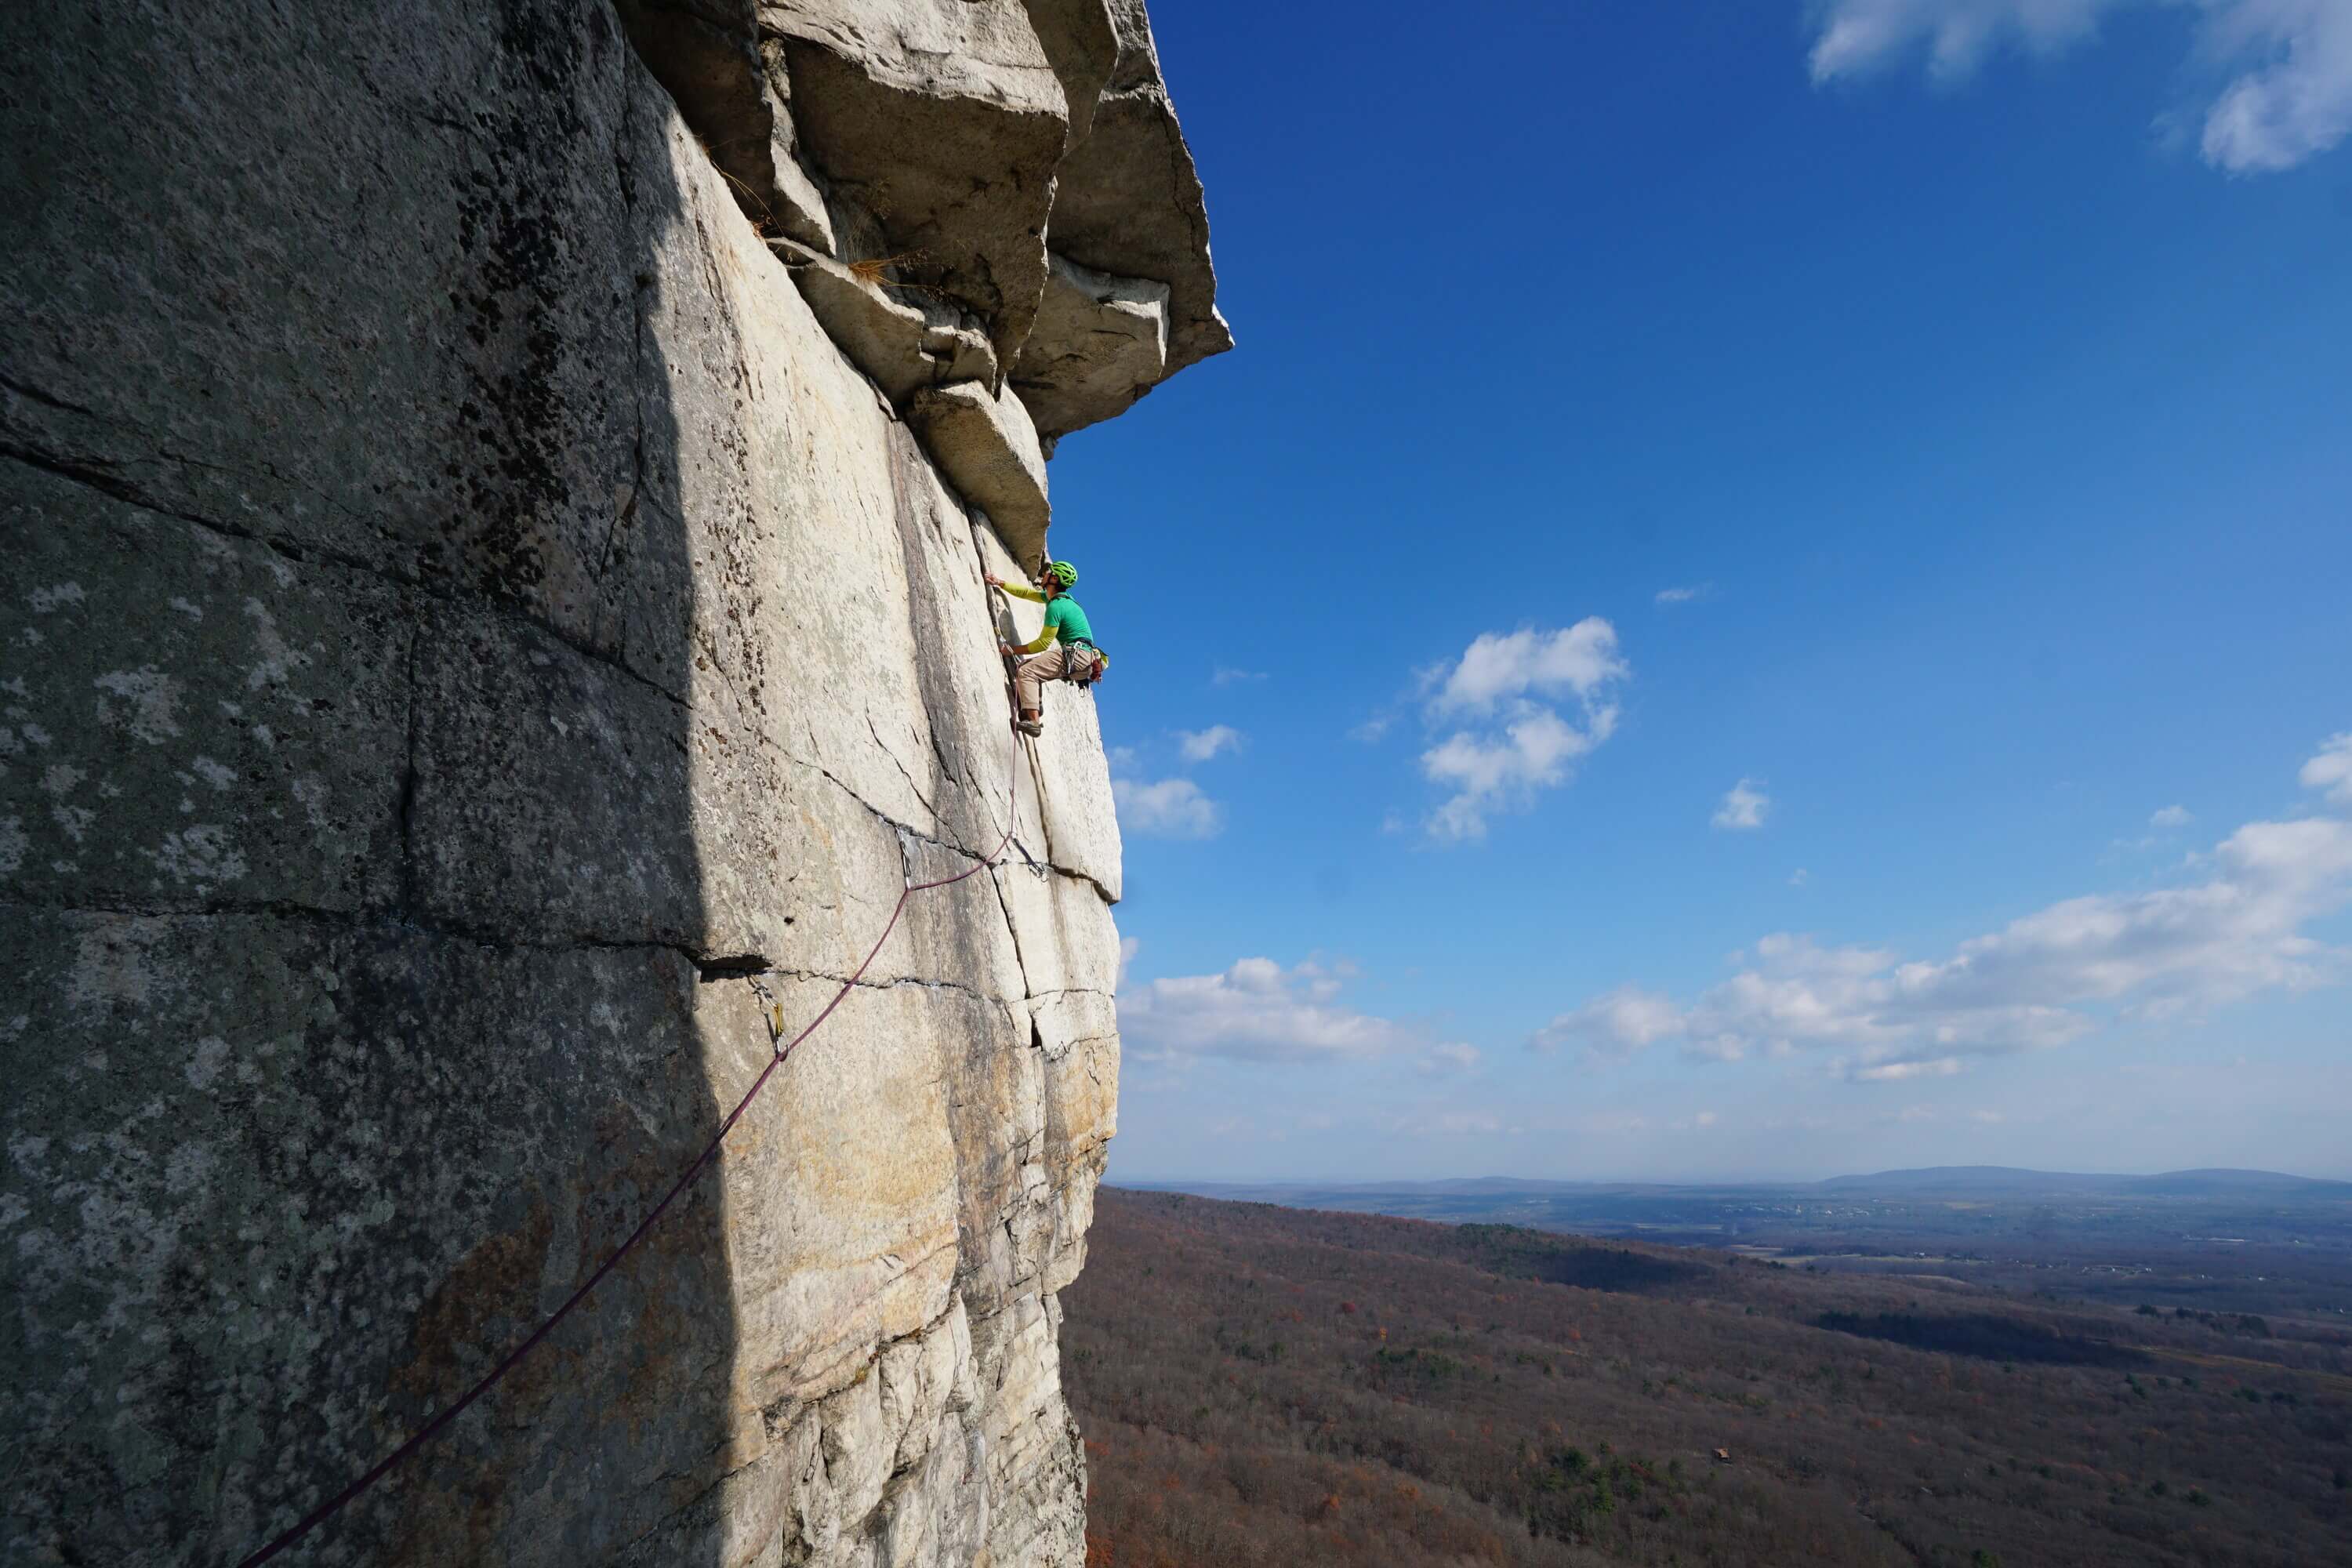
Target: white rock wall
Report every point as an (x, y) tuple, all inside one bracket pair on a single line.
[(463, 610)]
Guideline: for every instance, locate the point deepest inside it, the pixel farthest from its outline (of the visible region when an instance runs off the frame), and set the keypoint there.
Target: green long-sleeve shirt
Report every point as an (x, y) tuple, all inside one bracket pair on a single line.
[(1065, 622)]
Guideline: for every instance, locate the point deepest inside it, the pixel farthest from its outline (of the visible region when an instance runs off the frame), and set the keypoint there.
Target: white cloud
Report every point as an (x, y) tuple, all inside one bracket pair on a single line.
[(1684, 596), (1800, 876), (1859, 36), (1451, 1057), (1580, 659), (1531, 751), (1372, 729), (2163, 824), (1505, 743), (1171, 808), (2290, 100), (1200, 745), (1617, 1023), (2331, 771), (1129, 946), (1255, 1011), (1745, 805), (2043, 980), (1227, 675), (2299, 102)]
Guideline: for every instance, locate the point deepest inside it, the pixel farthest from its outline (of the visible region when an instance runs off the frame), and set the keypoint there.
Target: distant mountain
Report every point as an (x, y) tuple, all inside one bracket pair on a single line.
[(1974, 1179)]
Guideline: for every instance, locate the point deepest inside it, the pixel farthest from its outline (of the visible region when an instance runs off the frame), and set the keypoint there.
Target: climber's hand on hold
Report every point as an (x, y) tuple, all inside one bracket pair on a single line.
[(1005, 650), (992, 579)]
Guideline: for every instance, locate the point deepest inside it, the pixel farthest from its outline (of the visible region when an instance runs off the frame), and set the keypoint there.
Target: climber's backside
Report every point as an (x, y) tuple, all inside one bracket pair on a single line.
[(1072, 653)]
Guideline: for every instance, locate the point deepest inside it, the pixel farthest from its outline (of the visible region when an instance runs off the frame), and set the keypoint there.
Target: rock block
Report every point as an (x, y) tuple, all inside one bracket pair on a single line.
[(900, 347), (1101, 343), (1128, 199), (945, 121), (988, 449)]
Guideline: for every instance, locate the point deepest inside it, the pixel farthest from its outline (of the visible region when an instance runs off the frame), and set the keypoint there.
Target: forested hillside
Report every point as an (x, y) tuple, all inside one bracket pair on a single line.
[(1260, 1385)]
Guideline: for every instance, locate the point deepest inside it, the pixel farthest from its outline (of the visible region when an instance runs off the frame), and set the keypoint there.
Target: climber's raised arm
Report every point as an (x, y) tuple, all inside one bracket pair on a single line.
[(1018, 590)]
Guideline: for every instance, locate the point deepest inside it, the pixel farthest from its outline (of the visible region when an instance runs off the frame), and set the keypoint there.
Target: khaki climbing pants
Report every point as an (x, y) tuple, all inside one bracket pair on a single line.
[(1060, 662)]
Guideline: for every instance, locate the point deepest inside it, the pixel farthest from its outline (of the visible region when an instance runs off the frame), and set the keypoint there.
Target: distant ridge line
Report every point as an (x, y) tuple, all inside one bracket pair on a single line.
[(1929, 1178)]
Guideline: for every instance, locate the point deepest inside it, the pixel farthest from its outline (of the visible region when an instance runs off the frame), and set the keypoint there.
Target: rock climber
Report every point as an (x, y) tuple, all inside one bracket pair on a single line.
[(1073, 655)]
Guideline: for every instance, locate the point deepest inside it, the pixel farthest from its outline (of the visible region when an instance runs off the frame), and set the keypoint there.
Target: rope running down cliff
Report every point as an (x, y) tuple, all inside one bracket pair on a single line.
[(702, 1162)]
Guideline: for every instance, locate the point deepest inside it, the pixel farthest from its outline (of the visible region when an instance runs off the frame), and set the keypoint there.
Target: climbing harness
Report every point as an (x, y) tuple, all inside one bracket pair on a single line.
[(781, 1048)]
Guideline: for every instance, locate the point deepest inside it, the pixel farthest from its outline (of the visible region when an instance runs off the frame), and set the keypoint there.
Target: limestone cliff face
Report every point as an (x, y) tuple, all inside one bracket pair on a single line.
[(494, 500)]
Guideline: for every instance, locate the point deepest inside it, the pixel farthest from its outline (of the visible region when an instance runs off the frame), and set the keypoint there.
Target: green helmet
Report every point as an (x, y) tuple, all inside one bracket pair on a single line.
[(1062, 574)]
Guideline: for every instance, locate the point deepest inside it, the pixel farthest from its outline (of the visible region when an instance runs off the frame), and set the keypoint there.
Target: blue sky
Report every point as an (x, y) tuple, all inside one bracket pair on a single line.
[(1777, 584)]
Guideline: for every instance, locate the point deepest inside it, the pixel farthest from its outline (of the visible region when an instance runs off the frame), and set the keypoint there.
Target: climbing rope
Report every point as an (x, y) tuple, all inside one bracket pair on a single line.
[(782, 1048)]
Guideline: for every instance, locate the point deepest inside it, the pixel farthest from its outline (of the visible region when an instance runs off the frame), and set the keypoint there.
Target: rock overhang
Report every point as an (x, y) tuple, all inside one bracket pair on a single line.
[(967, 191)]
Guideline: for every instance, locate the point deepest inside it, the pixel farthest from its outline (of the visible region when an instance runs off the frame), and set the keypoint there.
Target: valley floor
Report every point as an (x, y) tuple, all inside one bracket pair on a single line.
[(1260, 1385)]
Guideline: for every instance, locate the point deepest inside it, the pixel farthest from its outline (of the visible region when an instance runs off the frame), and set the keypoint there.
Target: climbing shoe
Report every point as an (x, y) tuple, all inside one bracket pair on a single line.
[(1030, 726)]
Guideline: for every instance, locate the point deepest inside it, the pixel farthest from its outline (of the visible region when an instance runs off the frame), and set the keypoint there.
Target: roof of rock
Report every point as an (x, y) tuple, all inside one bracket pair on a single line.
[(991, 192)]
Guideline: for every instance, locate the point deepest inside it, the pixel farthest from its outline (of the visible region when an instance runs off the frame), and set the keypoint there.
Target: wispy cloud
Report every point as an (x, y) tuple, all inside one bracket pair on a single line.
[(1505, 738), (2290, 98), (1200, 745), (1169, 808), (1685, 595), (1616, 1023), (2046, 979), (1449, 1057), (1257, 1011), (2330, 771), (1743, 807), (1227, 675), (2164, 828)]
